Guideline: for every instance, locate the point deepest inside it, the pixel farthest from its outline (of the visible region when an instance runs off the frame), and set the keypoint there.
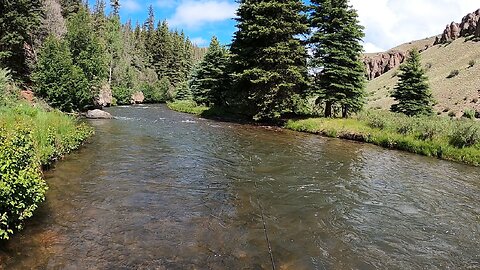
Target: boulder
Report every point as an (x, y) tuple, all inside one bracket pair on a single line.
[(27, 95), (104, 97), (137, 98), (98, 114)]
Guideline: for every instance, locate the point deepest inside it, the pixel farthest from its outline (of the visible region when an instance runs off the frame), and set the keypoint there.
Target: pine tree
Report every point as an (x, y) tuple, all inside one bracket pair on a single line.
[(412, 91), (150, 30), (19, 22), (70, 7), (209, 82), (58, 80), (337, 48), (183, 91), (269, 60), (162, 53), (115, 4)]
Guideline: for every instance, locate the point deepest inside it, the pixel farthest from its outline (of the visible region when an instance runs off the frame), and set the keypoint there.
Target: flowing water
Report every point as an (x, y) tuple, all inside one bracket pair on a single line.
[(156, 189)]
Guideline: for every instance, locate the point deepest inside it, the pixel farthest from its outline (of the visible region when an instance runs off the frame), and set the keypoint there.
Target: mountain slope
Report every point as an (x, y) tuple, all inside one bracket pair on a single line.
[(454, 94)]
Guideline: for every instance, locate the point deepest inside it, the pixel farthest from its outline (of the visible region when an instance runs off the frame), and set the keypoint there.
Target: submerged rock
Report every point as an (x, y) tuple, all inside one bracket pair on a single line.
[(98, 114)]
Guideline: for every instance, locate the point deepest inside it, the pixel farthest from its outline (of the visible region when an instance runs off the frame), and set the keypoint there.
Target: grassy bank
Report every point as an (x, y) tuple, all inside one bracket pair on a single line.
[(31, 138), (444, 138), (440, 137)]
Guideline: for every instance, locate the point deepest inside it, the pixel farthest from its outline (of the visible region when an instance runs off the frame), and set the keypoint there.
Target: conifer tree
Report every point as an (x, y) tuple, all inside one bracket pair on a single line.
[(163, 50), (269, 60), (149, 25), (58, 80), (412, 92), (183, 91), (337, 48), (19, 22), (88, 52), (209, 81), (115, 4), (70, 7)]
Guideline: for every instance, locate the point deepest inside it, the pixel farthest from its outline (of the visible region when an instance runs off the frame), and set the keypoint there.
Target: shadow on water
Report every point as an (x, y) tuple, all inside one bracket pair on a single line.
[(162, 190)]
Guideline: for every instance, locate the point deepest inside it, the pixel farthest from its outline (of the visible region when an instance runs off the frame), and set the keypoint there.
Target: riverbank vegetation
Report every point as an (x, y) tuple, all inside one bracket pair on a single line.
[(31, 138)]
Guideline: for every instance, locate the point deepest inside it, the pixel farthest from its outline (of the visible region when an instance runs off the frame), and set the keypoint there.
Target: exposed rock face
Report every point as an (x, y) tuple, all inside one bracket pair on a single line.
[(27, 95), (137, 98), (98, 114), (470, 25), (105, 97), (383, 62)]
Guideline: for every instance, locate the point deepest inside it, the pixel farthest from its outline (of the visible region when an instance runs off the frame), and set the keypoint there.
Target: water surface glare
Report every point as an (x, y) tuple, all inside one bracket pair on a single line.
[(157, 189)]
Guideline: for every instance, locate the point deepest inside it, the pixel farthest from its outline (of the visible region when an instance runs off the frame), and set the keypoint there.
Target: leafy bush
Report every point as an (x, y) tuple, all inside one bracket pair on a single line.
[(453, 74), (156, 92), (465, 136), (122, 95), (469, 113), (21, 185)]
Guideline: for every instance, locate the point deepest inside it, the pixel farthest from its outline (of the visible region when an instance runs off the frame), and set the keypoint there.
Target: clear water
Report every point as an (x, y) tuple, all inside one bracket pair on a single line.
[(156, 189)]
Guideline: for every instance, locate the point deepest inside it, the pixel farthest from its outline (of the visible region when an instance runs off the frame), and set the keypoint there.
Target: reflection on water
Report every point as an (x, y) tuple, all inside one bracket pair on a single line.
[(161, 190)]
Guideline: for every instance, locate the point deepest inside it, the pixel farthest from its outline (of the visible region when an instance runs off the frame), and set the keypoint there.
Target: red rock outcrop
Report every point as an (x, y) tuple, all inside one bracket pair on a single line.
[(381, 63), (470, 25)]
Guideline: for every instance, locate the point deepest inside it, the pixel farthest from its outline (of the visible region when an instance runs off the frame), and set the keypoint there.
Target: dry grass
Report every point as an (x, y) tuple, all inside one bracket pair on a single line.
[(452, 94)]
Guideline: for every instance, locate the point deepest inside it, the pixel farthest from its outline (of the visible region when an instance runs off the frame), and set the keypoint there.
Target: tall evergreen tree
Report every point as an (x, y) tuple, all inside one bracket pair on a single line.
[(62, 84), (70, 7), (337, 48), (209, 82), (163, 50), (150, 30), (87, 50), (19, 22), (115, 4), (269, 60), (412, 92)]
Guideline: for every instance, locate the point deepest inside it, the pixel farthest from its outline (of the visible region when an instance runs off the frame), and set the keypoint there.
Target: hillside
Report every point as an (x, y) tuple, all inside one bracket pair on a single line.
[(455, 94)]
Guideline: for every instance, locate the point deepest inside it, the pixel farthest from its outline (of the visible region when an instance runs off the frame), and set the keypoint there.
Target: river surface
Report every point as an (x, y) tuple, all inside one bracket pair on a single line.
[(156, 189)]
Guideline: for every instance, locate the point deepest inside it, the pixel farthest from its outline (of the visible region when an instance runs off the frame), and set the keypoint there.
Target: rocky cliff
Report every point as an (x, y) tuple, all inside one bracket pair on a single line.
[(380, 63), (469, 26)]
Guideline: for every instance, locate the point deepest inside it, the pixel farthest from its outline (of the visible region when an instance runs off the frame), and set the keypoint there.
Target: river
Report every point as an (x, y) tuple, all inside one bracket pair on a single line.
[(157, 189)]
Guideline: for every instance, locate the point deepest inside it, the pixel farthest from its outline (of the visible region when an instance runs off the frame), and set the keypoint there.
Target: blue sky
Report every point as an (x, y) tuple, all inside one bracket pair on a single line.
[(388, 23)]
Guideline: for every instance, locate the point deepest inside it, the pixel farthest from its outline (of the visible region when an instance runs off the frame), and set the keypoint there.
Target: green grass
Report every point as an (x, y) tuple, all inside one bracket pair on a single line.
[(55, 134), (187, 106), (455, 140)]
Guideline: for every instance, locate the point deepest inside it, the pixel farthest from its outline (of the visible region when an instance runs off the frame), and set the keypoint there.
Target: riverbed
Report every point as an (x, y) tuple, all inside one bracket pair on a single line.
[(157, 189)]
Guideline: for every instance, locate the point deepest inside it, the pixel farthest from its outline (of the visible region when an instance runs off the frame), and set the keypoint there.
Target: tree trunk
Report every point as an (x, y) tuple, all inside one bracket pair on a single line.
[(328, 109), (345, 111)]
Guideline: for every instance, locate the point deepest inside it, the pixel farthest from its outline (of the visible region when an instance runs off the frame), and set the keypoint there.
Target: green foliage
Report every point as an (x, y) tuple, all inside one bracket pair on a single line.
[(412, 92), (157, 92), (30, 137), (183, 92), (337, 52), (210, 81), (465, 136), (268, 57), (58, 80), (469, 113), (19, 22), (88, 52), (122, 95), (187, 106), (21, 186), (434, 136)]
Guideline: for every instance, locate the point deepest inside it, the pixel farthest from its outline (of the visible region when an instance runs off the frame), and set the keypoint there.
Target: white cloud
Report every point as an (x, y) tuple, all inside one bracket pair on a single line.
[(371, 48), (130, 5), (193, 14), (199, 41), (389, 23)]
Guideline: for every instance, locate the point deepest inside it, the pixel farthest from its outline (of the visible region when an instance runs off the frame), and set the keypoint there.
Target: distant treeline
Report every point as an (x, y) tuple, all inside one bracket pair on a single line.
[(68, 52)]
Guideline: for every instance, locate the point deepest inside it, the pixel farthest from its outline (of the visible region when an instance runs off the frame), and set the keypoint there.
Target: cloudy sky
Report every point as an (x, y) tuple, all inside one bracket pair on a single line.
[(388, 23)]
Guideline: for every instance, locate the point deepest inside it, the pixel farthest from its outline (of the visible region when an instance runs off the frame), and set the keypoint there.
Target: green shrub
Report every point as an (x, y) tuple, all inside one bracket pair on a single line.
[(469, 113), (21, 185), (122, 95), (465, 136), (453, 73)]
